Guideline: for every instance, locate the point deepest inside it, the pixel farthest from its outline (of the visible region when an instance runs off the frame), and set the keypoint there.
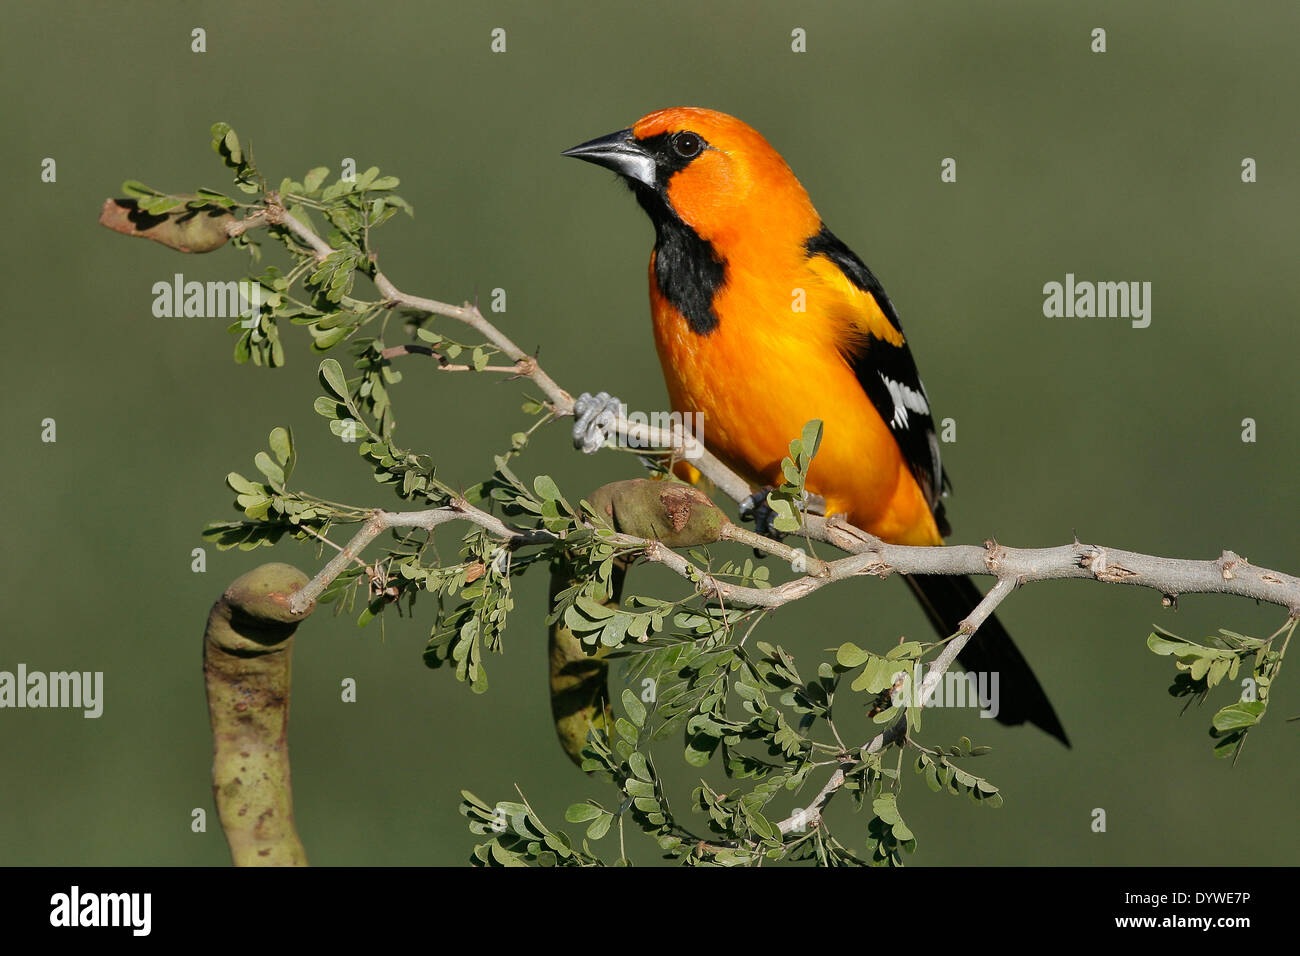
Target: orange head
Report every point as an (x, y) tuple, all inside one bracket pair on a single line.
[(714, 173)]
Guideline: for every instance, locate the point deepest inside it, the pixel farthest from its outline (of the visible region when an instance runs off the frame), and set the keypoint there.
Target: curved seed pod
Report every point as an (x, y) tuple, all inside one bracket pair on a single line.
[(677, 515), (246, 664), (183, 229), (579, 680)]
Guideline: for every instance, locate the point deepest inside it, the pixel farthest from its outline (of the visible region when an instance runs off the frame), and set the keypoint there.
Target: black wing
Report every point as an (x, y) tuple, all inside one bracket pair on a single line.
[(887, 373)]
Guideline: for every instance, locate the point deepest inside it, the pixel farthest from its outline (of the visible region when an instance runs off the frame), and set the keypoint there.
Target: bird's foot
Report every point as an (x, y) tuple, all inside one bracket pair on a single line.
[(594, 417), (756, 508)]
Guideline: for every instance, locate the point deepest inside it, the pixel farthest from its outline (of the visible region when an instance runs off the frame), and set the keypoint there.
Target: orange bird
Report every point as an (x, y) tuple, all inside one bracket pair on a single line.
[(764, 320)]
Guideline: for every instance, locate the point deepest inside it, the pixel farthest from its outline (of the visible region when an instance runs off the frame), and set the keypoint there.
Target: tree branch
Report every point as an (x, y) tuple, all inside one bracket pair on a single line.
[(1229, 574), (867, 555)]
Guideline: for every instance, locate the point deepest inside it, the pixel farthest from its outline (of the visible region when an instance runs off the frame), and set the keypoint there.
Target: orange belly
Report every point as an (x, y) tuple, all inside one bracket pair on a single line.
[(758, 382)]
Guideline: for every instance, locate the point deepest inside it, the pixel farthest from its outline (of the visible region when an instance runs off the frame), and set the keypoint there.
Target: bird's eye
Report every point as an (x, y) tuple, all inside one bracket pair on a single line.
[(687, 145)]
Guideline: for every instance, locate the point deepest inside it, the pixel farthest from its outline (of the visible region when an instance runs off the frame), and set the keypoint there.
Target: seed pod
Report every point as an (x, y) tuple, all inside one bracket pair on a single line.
[(678, 515), (579, 680), (246, 664), (183, 229)]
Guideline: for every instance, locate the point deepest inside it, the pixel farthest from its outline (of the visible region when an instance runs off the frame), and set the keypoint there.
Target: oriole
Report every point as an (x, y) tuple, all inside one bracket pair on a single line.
[(738, 248)]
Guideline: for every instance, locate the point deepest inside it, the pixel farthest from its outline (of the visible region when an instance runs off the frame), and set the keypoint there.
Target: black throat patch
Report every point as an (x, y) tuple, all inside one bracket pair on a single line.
[(688, 270), (689, 273)]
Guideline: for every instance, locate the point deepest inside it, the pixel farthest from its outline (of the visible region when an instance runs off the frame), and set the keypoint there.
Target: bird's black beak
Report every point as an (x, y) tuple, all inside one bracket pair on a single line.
[(620, 152)]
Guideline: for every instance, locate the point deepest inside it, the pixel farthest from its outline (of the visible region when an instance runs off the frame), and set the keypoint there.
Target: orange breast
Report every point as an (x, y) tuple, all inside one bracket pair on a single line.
[(761, 375)]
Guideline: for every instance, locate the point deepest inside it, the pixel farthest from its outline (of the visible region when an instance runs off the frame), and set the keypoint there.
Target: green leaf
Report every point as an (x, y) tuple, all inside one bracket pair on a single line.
[(850, 655), (886, 807), (326, 407), (582, 812), (232, 144), (1239, 715), (218, 131), (212, 197), (904, 651), (281, 443), (312, 181), (325, 339), (699, 749), (331, 376), (1164, 646), (625, 730), (138, 190), (637, 763), (878, 674), (368, 177), (812, 437), (242, 485), (638, 788), (504, 856), (634, 708), (600, 827), (787, 516), (348, 428), (269, 468), (545, 488)]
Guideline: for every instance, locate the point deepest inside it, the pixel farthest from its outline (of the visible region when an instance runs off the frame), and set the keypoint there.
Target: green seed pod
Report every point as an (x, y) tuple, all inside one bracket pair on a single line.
[(183, 229), (579, 680), (246, 663), (678, 515)]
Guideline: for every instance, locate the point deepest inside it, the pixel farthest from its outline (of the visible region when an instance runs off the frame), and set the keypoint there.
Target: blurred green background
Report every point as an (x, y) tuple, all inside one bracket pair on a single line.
[(1122, 166)]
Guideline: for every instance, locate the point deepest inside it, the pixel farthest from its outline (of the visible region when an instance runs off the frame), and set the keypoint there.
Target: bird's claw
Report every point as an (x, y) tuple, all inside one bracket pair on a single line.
[(594, 417), (755, 508)]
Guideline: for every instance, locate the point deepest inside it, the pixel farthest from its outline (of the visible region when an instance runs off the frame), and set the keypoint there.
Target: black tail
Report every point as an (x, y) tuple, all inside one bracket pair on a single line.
[(947, 600)]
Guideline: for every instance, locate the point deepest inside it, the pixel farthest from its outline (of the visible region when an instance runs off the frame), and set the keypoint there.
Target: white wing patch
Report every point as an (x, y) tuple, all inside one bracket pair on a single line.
[(905, 399)]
